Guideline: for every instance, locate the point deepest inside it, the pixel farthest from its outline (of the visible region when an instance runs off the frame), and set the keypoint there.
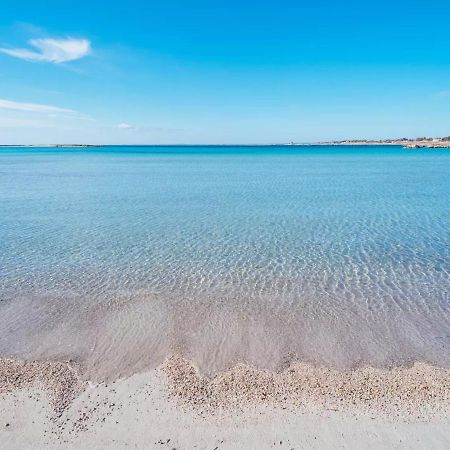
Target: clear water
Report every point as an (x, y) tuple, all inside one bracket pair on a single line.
[(119, 256)]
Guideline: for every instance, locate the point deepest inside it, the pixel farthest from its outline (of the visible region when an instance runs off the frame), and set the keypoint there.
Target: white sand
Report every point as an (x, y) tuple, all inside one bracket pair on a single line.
[(138, 412)]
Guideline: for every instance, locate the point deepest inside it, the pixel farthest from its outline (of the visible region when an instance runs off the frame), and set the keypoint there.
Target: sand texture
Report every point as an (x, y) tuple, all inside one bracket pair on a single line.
[(49, 405)]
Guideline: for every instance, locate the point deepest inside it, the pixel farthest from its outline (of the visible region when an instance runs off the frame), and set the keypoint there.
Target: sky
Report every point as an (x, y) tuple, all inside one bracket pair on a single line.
[(222, 72)]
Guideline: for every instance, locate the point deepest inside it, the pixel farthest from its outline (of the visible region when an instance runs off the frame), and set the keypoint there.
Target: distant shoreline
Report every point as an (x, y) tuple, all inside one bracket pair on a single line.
[(53, 145), (406, 143)]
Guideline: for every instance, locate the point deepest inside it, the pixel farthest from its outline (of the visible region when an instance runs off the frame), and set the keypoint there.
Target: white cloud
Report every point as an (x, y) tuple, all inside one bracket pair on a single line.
[(126, 126), (33, 107), (52, 50)]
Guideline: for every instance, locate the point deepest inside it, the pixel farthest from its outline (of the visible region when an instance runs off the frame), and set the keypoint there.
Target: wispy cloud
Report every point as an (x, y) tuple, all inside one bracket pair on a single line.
[(445, 93), (34, 107), (52, 50), (148, 129), (126, 126), (8, 122)]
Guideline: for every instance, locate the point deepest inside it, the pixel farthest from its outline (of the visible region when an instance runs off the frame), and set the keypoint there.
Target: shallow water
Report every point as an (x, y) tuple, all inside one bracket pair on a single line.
[(119, 256)]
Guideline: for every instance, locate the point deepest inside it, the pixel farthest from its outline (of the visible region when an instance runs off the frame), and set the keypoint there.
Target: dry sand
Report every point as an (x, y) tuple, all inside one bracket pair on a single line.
[(46, 405)]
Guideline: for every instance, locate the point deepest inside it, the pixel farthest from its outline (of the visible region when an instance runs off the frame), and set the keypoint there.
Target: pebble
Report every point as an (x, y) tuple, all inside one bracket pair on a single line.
[(389, 391)]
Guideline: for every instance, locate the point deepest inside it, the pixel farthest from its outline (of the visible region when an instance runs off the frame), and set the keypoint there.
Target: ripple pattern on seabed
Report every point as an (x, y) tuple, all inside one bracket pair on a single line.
[(334, 256)]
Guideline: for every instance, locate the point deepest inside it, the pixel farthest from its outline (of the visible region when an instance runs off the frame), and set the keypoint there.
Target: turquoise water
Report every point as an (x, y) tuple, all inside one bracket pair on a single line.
[(119, 256)]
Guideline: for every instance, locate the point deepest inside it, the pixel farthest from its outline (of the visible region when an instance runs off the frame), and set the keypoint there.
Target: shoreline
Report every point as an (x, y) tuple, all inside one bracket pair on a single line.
[(410, 144), (407, 144), (51, 402)]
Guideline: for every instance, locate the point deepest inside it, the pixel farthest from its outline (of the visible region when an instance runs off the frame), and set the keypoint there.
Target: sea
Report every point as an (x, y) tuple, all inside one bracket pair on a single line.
[(117, 257)]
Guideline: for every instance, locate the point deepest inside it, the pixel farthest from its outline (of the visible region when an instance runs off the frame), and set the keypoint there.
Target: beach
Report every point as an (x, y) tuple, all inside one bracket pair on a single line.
[(224, 297), (45, 405)]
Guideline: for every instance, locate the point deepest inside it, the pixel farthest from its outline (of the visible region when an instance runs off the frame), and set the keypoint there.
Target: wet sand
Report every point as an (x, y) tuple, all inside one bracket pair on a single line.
[(46, 404)]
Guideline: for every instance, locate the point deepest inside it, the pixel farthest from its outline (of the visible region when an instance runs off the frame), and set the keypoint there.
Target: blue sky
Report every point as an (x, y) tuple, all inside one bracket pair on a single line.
[(222, 71)]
